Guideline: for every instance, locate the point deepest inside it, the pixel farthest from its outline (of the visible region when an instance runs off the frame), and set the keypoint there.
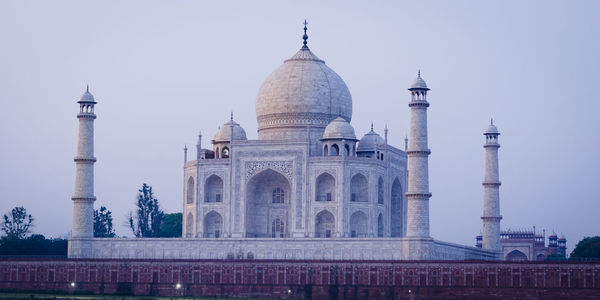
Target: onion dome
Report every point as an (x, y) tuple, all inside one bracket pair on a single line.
[(553, 235), (419, 83), (87, 96), (230, 131), (562, 237), (303, 91), (368, 141), (339, 129)]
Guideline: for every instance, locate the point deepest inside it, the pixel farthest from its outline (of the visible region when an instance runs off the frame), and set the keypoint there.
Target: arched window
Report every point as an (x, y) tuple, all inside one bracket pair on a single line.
[(225, 153), (278, 195), (190, 191), (347, 149), (325, 151), (277, 228), (380, 191)]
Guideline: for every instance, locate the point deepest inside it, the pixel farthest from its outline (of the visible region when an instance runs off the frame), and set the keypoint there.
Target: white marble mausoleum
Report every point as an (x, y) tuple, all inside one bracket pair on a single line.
[(307, 188)]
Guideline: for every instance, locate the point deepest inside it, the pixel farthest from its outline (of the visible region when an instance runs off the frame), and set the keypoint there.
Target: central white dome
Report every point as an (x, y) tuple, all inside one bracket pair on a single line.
[(303, 91)]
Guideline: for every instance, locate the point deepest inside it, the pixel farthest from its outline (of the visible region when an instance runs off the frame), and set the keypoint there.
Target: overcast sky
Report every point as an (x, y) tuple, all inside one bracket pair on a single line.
[(163, 70)]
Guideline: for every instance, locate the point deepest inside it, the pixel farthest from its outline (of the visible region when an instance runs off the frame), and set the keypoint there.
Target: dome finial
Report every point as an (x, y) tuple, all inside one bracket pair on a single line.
[(231, 117), (371, 125), (419, 73), (305, 36), (87, 88), (492, 121)]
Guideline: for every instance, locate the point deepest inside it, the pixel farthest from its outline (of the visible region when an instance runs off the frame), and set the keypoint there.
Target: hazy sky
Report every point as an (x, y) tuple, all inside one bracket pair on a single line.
[(163, 70)]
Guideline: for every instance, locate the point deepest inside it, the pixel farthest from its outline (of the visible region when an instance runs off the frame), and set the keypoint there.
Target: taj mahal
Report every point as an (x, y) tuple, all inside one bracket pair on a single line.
[(307, 188)]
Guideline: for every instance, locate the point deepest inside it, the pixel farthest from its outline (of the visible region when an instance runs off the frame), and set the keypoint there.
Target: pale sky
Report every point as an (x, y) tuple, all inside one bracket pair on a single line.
[(163, 70)]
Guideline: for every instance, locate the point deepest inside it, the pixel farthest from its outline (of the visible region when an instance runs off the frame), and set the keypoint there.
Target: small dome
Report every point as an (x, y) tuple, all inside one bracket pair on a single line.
[(367, 143), (339, 128), (552, 235), (419, 83), (225, 131), (87, 96), (492, 128), (562, 237)]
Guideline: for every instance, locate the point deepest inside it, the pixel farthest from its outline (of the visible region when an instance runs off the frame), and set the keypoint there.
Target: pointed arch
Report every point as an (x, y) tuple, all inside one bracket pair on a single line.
[(359, 188), (213, 189), (263, 207), (325, 188), (347, 149), (380, 225), (324, 224), (335, 150), (516, 255), (358, 224), (325, 151), (380, 193), (396, 209), (189, 225), (213, 224), (189, 197)]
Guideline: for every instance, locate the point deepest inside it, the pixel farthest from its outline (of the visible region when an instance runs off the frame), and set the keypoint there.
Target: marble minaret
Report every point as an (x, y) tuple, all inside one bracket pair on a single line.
[(491, 192), (83, 197), (417, 224)]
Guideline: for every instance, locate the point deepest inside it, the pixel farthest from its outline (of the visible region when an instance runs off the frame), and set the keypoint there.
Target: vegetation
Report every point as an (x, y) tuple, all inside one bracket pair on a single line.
[(171, 225), (148, 217), (36, 244), (103, 226), (588, 248), (18, 224)]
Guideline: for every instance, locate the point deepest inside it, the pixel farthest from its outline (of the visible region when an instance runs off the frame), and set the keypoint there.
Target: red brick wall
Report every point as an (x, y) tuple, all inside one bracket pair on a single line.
[(305, 279)]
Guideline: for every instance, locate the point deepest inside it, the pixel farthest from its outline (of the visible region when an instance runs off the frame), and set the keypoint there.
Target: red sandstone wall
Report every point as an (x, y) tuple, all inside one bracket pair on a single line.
[(306, 279)]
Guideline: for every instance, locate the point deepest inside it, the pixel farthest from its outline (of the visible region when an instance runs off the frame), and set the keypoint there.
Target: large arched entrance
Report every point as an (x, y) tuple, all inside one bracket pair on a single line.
[(325, 190), (516, 255), (396, 210), (268, 197)]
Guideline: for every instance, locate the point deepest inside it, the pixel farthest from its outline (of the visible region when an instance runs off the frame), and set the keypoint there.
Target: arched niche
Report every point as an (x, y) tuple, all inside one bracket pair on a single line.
[(359, 188), (358, 224), (324, 224), (325, 188), (396, 209), (189, 197), (380, 225), (267, 205), (213, 189), (189, 225), (380, 193), (213, 225)]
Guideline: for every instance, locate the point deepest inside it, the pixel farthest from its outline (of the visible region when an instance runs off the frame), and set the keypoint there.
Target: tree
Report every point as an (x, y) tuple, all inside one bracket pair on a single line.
[(171, 225), (18, 224), (148, 217), (589, 247), (103, 226)]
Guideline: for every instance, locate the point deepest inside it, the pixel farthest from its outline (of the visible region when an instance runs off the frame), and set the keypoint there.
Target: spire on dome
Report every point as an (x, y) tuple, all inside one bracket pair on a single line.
[(419, 73), (231, 117), (371, 125), (305, 36)]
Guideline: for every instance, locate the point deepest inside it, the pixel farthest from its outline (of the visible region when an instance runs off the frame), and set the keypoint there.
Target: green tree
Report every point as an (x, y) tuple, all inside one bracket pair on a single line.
[(103, 226), (18, 224), (36, 244), (171, 225), (148, 216), (589, 247)]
